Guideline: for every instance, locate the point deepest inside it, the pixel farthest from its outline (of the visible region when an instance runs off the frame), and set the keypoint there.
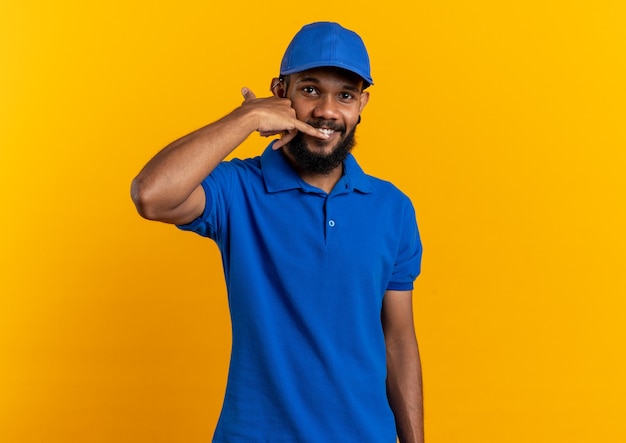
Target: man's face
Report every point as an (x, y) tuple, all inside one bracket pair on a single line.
[(332, 100)]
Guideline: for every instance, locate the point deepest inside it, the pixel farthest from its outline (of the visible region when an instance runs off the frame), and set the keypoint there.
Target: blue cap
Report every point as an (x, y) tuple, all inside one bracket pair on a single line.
[(327, 44)]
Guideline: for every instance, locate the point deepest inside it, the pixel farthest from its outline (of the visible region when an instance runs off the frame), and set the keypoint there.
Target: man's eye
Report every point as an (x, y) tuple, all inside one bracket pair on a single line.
[(309, 89), (345, 96)]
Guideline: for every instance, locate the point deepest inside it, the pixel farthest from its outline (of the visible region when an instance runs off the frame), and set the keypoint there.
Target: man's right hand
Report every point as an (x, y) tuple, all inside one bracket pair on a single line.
[(276, 116)]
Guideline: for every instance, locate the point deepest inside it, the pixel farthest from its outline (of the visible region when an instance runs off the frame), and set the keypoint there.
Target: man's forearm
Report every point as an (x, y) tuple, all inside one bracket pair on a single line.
[(404, 389)]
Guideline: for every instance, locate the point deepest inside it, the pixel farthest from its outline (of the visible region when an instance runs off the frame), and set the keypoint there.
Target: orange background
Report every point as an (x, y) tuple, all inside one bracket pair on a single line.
[(503, 121)]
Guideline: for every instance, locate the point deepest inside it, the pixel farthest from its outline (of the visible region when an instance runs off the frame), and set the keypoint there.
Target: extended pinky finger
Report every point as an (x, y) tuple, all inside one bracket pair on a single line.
[(286, 138)]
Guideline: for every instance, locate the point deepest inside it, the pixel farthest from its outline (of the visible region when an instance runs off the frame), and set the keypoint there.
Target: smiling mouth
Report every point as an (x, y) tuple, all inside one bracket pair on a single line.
[(327, 127), (326, 131)]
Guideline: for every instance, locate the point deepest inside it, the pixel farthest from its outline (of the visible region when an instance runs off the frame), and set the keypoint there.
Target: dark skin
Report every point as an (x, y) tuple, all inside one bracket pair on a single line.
[(168, 189)]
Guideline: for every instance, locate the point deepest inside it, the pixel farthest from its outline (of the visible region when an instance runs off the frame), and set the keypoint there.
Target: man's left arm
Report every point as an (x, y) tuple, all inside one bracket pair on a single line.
[(404, 370)]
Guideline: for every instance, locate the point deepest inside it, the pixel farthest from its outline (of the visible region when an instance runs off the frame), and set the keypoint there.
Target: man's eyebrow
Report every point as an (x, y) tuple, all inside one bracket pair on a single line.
[(349, 87), (308, 79), (346, 86)]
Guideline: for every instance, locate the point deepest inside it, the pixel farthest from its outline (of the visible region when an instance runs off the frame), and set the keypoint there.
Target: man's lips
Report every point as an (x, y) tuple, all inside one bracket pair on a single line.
[(327, 128)]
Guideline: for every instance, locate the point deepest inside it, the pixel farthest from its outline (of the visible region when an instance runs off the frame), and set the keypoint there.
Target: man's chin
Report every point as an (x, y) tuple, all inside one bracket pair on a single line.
[(315, 147), (320, 156)]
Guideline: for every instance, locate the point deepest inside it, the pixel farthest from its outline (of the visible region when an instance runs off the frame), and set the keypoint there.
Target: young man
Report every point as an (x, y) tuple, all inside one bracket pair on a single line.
[(319, 258)]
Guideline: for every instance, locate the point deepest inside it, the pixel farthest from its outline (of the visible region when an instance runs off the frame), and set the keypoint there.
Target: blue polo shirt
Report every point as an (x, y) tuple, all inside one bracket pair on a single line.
[(306, 272)]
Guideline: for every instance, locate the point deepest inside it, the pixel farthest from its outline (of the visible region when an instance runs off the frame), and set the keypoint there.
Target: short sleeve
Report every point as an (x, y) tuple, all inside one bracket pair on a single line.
[(409, 256), (216, 187)]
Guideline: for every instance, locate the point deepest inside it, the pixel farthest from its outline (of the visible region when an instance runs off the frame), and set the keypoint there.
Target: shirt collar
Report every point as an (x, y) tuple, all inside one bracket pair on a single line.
[(279, 175)]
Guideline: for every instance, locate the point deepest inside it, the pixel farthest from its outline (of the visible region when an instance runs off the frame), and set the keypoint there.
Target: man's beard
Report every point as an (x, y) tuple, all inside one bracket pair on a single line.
[(315, 163)]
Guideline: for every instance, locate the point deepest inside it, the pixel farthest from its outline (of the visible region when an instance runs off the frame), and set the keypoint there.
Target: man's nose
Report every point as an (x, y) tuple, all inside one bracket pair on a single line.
[(326, 108)]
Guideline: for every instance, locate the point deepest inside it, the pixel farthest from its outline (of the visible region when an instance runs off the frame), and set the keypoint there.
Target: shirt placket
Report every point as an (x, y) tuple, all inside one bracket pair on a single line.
[(332, 213)]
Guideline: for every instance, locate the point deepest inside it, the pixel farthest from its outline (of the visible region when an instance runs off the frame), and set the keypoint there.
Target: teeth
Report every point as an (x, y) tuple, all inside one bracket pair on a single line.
[(326, 131)]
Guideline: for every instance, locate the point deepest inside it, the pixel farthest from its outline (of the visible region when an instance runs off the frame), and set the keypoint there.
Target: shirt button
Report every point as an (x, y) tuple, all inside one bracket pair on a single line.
[(331, 223)]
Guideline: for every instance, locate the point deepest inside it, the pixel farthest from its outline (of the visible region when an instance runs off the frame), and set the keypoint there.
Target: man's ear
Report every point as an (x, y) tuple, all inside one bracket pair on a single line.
[(277, 87), (365, 97)]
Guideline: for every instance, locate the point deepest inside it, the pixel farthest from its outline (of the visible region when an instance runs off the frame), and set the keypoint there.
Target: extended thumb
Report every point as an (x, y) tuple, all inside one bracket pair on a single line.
[(247, 94)]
